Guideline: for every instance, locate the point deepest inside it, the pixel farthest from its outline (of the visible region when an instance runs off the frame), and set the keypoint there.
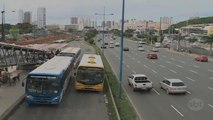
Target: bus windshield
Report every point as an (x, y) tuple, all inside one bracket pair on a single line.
[(43, 85), (90, 76)]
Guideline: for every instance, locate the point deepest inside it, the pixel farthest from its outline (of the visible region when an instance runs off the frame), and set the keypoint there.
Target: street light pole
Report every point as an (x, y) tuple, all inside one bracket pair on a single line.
[(103, 44), (2, 24), (121, 51)]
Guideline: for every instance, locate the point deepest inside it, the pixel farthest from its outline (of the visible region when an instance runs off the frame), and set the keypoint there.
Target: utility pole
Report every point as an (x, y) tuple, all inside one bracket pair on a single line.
[(2, 28), (103, 43), (121, 52)]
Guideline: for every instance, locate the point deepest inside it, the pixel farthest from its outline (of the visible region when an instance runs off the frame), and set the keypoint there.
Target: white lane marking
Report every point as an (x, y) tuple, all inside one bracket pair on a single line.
[(162, 66), (173, 71), (210, 70), (156, 91), (193, 71), (138, 61), (210, 105), (211, 78), (164, 56), (190, 79), (177, 111), (164, 77), (153, 61), (183, 62), (196, 66), (133, 71), (210, 88), (127, 66), (179, 66), (168, 61), (189, 92), (154, 71), (145, 66)]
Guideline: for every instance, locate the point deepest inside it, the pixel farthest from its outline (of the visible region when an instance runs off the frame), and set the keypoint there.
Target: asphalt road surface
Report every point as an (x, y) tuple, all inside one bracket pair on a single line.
[(75, 105), (197, 104)]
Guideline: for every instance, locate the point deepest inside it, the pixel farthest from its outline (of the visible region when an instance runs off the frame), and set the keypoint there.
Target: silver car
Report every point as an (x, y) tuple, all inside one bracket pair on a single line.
[(173, 86)]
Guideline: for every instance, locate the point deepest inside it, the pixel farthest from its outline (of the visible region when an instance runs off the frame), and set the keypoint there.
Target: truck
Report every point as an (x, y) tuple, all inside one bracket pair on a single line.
[(140, 82)]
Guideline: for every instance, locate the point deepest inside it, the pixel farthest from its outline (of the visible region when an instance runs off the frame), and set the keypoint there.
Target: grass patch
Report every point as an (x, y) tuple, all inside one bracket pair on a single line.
[(124, 107)]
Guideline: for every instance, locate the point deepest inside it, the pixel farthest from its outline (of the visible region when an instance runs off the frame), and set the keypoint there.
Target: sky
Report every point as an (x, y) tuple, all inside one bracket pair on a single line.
[(60, 11)]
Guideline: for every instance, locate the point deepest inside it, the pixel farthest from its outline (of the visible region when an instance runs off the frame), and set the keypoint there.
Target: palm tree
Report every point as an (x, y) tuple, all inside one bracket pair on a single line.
[(209, 40)]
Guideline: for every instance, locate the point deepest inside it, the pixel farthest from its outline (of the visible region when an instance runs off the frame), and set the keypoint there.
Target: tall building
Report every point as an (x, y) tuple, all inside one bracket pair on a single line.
[(41, 17), (27, 17), (21, 16), (74, 20), (166, 20)]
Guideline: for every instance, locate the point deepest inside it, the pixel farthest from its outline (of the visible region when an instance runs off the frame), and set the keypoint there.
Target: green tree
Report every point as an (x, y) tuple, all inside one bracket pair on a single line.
[(209, 39), (14, 33)]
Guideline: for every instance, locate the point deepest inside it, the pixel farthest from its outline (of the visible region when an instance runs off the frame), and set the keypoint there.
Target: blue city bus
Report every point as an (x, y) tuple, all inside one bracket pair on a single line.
[(47, 83)]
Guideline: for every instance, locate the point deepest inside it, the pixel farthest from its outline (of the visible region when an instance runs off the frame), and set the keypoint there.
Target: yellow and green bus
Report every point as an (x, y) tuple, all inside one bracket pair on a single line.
[(90, 73)]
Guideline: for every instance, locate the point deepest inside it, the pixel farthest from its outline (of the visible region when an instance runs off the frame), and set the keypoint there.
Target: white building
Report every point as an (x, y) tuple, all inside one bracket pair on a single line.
[(41, 17), (21, 16)]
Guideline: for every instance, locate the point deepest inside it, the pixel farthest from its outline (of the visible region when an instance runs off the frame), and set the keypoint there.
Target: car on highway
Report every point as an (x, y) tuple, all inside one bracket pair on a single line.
[(202, 58), (173, 86), (111, 45), (140, 82), (126, 49), (103, 46), (152, 56), (117, 44), (155, 49), (140, 49), (111, 42), (106, 43)]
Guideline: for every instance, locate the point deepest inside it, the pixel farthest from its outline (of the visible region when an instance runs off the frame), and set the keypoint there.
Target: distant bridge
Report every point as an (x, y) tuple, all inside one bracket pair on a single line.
[(11, 55)]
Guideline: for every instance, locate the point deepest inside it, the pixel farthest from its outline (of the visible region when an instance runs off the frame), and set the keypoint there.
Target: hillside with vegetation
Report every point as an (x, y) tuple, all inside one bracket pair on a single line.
[(204, 20)]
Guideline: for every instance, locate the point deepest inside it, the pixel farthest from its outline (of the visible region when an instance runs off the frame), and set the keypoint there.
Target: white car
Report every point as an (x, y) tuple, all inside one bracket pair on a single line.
[(173, 86), (111, 42), (155, 49), (141, 49), (111, 45), (140, 81), (117, 44)]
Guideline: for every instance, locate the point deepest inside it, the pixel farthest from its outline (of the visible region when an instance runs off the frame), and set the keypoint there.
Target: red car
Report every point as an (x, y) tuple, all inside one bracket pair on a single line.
[(201, 58), (152, 56)]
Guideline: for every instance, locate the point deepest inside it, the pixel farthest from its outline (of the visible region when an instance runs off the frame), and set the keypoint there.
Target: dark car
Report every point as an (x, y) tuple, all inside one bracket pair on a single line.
[(106, 43), (103, 47), (152, 56), (126, 49), (201, 58)]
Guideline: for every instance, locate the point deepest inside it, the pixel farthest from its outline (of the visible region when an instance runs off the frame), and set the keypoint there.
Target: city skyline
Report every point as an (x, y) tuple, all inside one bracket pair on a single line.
[(59, 12)]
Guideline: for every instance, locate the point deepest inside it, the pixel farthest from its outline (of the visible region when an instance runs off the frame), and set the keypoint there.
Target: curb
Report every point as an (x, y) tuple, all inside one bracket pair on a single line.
[(113, 101)]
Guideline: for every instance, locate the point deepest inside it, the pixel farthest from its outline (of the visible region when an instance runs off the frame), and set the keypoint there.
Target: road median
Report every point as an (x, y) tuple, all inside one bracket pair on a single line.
[(124, 108)]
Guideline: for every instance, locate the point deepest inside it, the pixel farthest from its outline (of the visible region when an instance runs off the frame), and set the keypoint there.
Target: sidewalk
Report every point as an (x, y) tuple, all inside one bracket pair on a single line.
[(11, 96)]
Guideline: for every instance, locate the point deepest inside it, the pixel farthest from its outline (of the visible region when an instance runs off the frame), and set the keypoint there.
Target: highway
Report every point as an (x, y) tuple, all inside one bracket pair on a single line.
[(76, 105), (197, 104)]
